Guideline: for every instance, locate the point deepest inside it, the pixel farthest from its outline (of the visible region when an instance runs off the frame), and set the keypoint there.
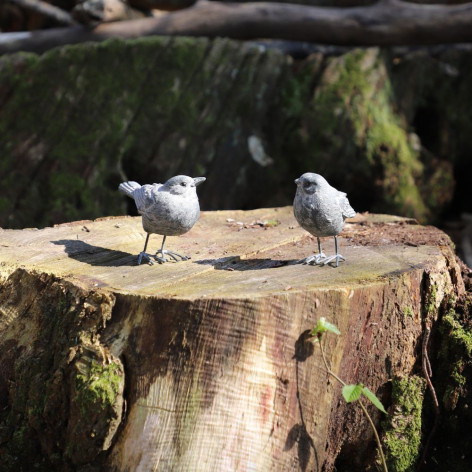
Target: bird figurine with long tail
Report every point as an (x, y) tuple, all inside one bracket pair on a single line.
[(169, 209), (321, 210)]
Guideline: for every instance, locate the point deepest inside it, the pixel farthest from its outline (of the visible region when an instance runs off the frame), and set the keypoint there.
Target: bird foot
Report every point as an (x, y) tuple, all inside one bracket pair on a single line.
[(337, 258), (313, 260), (172, 254), (144, 255)]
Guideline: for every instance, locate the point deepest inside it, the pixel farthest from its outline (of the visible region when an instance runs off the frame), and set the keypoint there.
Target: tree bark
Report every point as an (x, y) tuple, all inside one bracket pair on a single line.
[(207, 364), (386, 23)]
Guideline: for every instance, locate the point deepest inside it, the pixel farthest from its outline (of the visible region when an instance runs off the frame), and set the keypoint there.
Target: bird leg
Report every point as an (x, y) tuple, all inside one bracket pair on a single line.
[(315, 258), (172, 254), (144, 254), (338, 256)]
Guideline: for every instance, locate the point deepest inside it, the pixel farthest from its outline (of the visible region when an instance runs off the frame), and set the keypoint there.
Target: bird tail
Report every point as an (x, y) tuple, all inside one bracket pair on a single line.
[(348, 211), (128, 188)]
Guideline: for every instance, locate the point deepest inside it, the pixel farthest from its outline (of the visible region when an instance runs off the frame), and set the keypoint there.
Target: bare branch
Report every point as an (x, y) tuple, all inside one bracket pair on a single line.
[(46, 9), (387, 23)]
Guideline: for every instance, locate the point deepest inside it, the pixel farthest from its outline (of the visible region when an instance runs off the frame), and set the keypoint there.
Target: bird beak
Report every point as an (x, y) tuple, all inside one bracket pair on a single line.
[(198, 180), (297, 181)]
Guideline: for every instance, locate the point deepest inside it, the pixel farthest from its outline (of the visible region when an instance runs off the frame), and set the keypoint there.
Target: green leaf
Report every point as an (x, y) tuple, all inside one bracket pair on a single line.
[(329, 326), (351, 393), (373, 399), (323, 326)]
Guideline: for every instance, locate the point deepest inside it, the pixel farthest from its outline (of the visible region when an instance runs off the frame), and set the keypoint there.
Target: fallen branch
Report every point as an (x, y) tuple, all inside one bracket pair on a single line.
[(386, 23), (46, 9)]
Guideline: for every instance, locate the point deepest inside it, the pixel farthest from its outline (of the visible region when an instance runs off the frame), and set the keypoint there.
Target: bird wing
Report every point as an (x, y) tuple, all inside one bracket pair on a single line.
[(346, 208), (146, 197)]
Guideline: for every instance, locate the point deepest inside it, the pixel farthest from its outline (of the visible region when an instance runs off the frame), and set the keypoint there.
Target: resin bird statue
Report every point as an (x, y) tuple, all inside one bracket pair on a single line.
[(169, 209), (321, 210)]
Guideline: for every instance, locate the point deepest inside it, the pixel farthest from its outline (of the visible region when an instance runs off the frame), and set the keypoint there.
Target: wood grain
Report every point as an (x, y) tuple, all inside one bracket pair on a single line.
[(218, 371)]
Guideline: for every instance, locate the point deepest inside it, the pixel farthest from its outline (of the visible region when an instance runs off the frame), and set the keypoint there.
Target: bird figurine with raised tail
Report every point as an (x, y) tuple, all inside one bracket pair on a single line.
[(169, 209), (321, 210)]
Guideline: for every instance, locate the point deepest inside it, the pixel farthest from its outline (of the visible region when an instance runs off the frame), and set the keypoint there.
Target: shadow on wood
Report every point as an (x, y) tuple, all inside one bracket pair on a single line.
[(206, 365)]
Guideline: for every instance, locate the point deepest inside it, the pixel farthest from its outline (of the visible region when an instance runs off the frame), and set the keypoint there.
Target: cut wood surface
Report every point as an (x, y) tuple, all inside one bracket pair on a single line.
[(212, 354), (233, 254)]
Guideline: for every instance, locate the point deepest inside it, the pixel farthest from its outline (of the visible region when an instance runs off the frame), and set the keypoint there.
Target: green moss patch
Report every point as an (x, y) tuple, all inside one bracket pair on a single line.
[(61, 395), (402, 428), (77, 120), (98, 387), (357, 129), (455, 355), (452, 445), (80, 119)]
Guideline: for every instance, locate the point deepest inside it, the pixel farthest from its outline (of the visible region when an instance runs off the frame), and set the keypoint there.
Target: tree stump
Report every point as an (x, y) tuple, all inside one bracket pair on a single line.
[(207, 365)]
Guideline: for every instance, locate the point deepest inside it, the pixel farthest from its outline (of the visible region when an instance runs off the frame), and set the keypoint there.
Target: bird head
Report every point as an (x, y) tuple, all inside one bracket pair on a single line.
[(183, 185), (309, 183)]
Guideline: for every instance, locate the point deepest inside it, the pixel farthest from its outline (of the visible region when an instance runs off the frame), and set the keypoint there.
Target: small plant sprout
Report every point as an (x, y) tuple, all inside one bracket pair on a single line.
[(322, 327), (352, 392)]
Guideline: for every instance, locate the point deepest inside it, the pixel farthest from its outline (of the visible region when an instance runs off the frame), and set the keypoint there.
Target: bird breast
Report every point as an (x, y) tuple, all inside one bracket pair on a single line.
[(171, 214), (318, 215)]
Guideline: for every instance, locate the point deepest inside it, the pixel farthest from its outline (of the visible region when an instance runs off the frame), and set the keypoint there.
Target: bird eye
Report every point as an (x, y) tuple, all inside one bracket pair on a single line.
[(183, 184)]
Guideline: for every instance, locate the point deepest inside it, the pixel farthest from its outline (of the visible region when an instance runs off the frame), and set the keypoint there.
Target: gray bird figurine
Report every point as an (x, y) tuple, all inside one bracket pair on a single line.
[(321, 210), (169, 209)]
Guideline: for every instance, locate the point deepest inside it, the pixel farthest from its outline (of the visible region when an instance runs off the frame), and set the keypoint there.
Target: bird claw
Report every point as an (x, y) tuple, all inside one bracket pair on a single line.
[(145, 256), (322, 259), (172, 254), (313, 260), (337, 257)]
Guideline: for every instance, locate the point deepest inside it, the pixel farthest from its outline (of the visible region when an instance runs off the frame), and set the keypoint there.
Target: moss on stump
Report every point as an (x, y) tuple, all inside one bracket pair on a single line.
[(77, 120), (402, 430)]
